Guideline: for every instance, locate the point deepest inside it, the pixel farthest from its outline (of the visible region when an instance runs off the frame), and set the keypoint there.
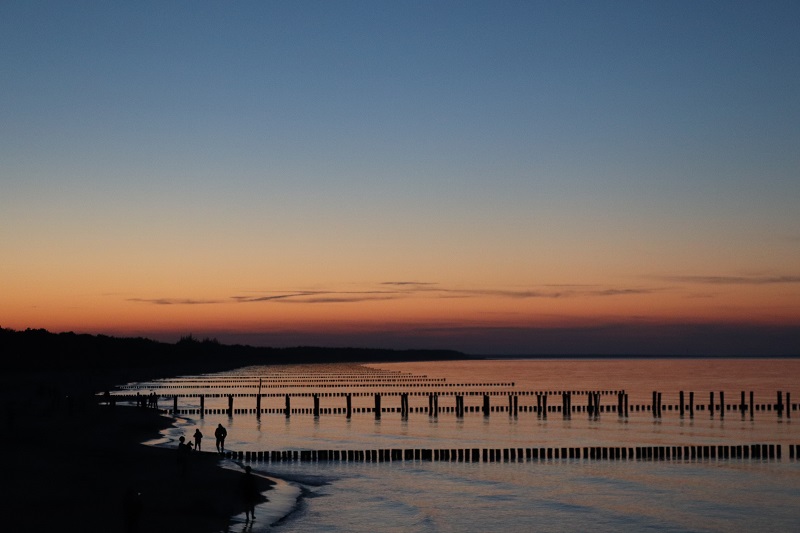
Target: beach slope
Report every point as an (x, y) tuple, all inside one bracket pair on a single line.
[(75, 465)]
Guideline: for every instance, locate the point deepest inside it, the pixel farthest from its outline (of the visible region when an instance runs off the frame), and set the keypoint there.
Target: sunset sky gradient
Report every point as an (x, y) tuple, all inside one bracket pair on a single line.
[(493, 177)]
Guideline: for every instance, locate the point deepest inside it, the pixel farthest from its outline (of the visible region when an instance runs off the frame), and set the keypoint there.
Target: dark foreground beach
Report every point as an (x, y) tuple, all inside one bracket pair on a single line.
[(71, 465), (70, 462)]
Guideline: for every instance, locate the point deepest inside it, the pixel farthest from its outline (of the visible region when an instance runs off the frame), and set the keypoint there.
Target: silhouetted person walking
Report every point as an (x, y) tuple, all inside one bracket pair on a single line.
[(249, 493), (220, 433), (198, 437)]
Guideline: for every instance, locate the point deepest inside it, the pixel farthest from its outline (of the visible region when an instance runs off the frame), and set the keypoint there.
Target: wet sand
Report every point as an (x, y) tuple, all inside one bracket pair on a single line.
[(69, 464)]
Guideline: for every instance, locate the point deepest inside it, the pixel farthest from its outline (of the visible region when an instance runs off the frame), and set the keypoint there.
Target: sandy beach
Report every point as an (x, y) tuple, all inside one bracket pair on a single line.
[(71, 465)]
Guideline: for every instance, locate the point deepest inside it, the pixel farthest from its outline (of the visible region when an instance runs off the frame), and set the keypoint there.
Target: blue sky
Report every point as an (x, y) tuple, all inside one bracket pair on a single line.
[(199, 151)]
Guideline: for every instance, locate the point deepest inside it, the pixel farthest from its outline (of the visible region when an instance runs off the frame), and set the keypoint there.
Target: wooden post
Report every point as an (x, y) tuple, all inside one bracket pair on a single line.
[(377, 406), (788, 405), (202, 405), (288, 406), (349, 405), (655, 405), (258, 400), (230, 404), (680, 399), (175, 405)]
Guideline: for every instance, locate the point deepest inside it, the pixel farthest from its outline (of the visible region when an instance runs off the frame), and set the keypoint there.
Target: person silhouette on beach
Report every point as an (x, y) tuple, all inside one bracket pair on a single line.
[(249, 493), (198, 437), (183, 455), (220, 433), (133, 510)]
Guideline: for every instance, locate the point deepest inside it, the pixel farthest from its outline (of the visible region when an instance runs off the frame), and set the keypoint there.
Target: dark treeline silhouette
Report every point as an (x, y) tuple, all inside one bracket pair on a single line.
[(140, 358)]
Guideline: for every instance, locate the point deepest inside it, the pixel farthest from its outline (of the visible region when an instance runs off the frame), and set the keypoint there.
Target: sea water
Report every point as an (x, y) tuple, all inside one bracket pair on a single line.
[(520, 495)]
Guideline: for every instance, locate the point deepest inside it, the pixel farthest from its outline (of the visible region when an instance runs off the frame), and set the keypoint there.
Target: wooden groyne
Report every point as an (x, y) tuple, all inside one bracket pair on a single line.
[(693, 452), (514, 403), (320, 384)]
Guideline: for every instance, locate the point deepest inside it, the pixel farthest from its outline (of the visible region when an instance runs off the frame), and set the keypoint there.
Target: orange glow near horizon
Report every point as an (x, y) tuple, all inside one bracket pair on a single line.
[(386, 307)]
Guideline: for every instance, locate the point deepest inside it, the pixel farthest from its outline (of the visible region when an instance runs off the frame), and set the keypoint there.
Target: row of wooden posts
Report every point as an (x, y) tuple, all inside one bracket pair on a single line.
[(593, 407), (491, 455), (251, 383), (303, 377), (334, 384)]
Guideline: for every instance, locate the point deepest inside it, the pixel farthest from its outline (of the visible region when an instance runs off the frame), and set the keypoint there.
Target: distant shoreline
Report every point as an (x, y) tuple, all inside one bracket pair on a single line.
[(626, 357), (137, 359)]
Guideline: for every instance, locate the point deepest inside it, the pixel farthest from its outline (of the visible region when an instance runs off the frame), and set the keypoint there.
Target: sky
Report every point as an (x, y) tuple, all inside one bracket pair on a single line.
[(492, 177)]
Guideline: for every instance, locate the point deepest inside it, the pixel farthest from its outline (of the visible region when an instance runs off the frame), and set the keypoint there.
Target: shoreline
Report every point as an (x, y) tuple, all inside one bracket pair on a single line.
[(72, 462)]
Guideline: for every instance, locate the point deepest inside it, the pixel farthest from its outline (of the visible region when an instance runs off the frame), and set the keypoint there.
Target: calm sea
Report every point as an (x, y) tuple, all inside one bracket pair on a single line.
[(522, 495)]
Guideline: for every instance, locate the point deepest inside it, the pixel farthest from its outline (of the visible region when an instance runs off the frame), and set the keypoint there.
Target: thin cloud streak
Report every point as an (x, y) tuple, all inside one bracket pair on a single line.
[(405, 290), (340, 299), (320, 297), (174, 301), (734, 280), (526, 294), (409, 283)]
